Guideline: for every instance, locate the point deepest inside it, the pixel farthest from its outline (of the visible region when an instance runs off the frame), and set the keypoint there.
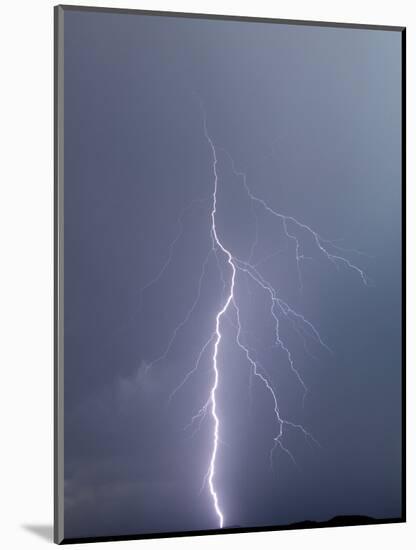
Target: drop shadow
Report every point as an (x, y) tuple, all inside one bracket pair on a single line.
[(43, 531)]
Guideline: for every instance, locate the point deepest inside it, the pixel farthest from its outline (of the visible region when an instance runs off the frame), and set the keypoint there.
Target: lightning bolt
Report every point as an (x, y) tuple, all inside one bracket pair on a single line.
[(232, 269), (235, 265)]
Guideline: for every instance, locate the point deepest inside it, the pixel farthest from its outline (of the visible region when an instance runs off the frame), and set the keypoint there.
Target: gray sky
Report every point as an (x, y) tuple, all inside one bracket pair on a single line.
[(312, 117)]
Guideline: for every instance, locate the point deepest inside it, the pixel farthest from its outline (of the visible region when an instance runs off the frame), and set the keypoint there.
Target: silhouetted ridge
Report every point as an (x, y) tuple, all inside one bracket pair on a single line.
[(333, 522)]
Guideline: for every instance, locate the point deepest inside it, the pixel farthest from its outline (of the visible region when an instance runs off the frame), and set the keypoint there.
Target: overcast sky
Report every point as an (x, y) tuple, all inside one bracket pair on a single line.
[(312, 117)]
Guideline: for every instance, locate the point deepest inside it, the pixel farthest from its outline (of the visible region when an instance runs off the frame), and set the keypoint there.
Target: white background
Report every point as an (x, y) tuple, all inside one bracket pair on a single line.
[(26, 266)]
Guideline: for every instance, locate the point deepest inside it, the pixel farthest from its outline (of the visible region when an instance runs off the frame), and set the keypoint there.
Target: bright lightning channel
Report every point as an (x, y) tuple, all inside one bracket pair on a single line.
[(218, 335)]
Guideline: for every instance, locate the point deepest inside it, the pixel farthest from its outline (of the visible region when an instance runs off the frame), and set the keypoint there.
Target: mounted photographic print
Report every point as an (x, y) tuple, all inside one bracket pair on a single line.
[(229, 274)]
